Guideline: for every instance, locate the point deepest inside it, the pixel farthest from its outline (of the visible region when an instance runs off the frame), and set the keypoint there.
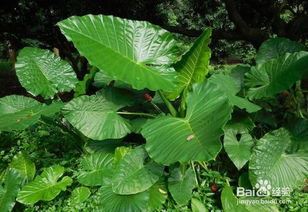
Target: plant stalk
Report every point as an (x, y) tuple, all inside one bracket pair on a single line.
[(170, 107), (136, 114)]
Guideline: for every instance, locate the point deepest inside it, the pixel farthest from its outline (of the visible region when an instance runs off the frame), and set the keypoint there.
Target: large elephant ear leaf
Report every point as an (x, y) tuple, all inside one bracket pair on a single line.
[(45, 186), (110, 201), (277, 47), (195, 137), (41, 72), (193, 66), (95, 169), (9, 190), (133, 175), (96, 117), (270, 162), (276, 75), (19, 112), (134, 52)]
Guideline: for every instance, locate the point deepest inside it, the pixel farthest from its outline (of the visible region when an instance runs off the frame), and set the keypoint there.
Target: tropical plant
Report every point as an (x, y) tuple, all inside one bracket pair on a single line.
[(179, 110)]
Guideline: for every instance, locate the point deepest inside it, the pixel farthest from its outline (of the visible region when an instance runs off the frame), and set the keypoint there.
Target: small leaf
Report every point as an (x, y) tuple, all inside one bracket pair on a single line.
[(24, 166), (41, 72), (239, 151), (95, 169), (9, 191), (181, 185), (158, 196), (80, 195), (45, 186), (133, 175), (197, 206)]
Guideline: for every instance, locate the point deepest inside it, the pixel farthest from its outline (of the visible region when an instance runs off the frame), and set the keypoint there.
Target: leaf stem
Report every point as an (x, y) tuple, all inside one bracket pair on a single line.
[(168, 104), (193, 168), (137, 114)]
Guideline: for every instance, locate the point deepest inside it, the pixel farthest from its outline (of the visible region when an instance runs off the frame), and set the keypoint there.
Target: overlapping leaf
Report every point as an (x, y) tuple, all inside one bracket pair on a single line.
[(24, 166), (19, 112), (195, 137), (193, 66), (111, 201), (133, 175), (270, 162), (181, 185), (229, 86), (277, 47), (96, 117), (9, 190), (45, 186), (276, 75), (95, 169), (134, 52), (41, 72)]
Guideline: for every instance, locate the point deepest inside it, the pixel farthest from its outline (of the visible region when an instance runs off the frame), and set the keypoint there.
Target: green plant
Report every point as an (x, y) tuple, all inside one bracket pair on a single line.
[(177, 108)]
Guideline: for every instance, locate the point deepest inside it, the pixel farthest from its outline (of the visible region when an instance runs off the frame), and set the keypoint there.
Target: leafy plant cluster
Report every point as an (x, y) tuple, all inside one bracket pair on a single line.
[(163, 130)]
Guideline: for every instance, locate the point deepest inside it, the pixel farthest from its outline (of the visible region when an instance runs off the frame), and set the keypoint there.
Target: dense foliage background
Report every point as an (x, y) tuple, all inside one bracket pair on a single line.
[(238, 30)]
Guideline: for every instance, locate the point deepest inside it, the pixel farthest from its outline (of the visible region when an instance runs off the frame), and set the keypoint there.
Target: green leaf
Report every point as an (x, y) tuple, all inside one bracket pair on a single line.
[(197, 206), (231, 88), (96, 117), (195, 137), (276, 47), (9, 190), (19, 112), (41, 72), (269, 161), (193, 67), (230, 203), (95, 169), (122, 203), (24, 166), (181, 185), (80, 195), (276, 75), (239, 151), (133, 175), (134, 52), (45, 186), (158, 196)]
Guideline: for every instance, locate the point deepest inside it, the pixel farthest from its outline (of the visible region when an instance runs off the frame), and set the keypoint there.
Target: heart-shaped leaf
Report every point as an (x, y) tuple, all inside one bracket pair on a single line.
[(239, 151), (134, 52), (195, 137), (41, 72)]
